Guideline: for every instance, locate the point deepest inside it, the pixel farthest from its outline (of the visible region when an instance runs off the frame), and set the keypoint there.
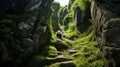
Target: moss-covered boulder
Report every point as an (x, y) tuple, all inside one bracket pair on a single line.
[(46, 57), (61, 45), (50, 51), (81, 9)]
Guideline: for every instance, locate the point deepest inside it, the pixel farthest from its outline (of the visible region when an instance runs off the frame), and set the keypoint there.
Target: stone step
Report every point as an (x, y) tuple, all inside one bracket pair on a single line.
[(63, 64), (52, 56), (61, 45), (67, 64), (59, 53), (62, 58), (72, 51)]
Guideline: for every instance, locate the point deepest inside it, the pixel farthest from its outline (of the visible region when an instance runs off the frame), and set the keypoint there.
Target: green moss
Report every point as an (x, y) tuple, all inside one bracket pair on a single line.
[(70, 31), (87, 54), (44, 58), (55, 65), (60, 11), (88, 51), (61, 45), (80, 3), (50, 51), (37, 61), (67, 19)]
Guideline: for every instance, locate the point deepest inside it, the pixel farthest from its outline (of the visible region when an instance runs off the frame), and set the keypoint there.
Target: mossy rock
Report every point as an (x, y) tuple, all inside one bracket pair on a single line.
[(61, 45), (41, 61), (67, 64), (55, 65), (37, 61), (50, 51), (62, 58), (63, 64)]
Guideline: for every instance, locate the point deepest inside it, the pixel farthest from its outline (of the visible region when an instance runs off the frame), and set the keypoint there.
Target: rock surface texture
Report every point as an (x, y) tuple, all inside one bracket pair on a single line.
[(23, 30), (55, 24), (82, 17), (106, 18)]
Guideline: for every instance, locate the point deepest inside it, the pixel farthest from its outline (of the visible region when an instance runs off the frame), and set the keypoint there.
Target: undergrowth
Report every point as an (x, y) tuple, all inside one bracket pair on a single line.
[(88, 54)]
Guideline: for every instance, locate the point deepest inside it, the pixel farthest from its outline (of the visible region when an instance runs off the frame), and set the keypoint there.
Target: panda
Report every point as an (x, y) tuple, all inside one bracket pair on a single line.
[(59, 34)]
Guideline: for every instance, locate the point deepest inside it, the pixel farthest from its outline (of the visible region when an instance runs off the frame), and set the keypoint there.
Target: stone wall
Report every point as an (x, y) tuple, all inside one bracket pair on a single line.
[(106, 19)]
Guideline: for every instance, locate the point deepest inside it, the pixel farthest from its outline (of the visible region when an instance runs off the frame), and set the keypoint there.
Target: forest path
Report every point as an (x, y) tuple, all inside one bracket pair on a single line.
[(65, 52), (82, 51)]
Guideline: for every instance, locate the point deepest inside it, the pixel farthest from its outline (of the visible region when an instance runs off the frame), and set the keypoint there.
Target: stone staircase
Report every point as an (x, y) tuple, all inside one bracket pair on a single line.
[(62, 60)]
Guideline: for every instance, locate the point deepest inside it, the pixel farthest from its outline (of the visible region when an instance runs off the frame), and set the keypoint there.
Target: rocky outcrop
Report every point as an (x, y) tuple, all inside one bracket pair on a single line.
[(78, 17), (106, 18), (55, 24), (82, 17), (70, 4), (12, 6), (62, 13), (23, 30), (65, 16)]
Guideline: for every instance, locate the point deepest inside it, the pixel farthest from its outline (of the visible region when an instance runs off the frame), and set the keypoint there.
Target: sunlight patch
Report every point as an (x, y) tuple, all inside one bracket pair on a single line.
[(62, 2)]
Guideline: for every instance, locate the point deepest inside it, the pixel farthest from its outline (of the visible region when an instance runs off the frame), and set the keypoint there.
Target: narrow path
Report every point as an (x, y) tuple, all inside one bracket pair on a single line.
[(64, 58), (81, 52)]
